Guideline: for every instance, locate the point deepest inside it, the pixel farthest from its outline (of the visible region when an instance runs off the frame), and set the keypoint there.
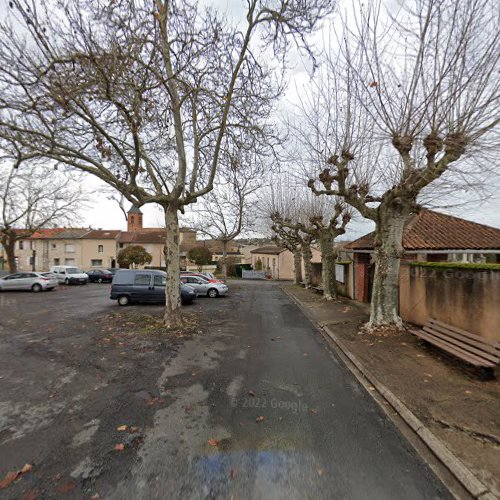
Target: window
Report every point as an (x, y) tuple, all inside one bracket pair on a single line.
[(32, 245), (121, 245), (69, 262), (96, 262), (69, 248), (57, 262), (54, 245), (21, 245), (160, 280), (100, 248), (142, 279)]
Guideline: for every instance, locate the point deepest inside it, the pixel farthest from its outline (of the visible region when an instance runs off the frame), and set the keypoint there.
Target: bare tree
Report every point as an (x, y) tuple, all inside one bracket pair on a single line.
[(290, 240), (147, 96), (230, 209), (30, 199), (411, 99), (315, 221)]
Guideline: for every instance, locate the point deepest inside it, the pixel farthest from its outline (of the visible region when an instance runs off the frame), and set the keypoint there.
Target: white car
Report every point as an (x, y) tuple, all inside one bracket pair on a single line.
[(36, 282), (69, 275), (204, 287)]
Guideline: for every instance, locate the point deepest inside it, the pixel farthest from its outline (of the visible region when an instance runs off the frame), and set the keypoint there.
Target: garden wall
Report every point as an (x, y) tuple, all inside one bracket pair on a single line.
[(466, 298)]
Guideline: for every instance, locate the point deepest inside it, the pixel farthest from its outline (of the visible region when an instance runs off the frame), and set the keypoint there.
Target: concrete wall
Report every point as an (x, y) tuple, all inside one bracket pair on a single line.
[(465, 298)]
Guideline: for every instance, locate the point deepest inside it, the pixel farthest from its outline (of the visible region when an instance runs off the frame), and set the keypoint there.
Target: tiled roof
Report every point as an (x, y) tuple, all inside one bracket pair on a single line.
[(46, 234), (70, 234), (102, 234), (271, 250), (134, 210), (149, 236), (429, 230)]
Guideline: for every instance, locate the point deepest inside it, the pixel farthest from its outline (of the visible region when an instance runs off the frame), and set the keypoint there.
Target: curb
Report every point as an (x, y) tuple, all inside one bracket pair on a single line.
[(457, 468)]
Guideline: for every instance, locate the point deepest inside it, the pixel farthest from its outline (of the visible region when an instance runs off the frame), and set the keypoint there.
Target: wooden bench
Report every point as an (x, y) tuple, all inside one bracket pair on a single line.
[(471, 348), (319, 289)]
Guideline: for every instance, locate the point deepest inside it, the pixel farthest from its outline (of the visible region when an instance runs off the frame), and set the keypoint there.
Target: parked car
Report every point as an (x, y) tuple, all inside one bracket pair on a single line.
[(206, 276), (144, 285), (69, 275), (36, 282), (205, 287), (100, 276)]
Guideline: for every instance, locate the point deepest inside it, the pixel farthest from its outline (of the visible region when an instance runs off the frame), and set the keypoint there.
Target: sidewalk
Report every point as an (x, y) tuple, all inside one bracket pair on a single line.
[(452, 403)]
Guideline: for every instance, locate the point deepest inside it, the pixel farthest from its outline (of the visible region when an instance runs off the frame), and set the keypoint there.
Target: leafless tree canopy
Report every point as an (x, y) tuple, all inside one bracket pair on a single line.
[(405, 99), (31, 199), (149, 96)]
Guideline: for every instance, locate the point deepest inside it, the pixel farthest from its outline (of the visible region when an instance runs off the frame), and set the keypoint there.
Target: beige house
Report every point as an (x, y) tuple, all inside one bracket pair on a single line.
[(279, 263), (88, 248)]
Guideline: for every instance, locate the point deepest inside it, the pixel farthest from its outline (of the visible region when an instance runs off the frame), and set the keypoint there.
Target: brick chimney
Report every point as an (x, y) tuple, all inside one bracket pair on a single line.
[(134, 219)]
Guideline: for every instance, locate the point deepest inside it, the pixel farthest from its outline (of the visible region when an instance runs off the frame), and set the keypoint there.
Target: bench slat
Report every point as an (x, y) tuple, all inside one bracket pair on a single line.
[(450, 339), (476, 342), (456, 351), (490, 344)]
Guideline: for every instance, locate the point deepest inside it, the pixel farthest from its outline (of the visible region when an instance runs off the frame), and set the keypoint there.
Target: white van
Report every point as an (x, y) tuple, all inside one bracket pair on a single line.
[(69, 275)]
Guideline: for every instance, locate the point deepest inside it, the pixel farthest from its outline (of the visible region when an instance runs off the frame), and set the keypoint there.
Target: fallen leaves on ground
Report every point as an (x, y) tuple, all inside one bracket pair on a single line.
[(30, 495), (259, 419), (232, 473), (122, 428), (134, 429), (154, 401), (213, 442), (10, 477), (320, 472), (119, 447), (314, 411), (66, 487), (251, 393)]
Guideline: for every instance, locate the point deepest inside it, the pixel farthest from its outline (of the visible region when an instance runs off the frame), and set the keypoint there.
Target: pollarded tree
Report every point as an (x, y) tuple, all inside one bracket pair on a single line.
[(290, 240), (32, 197), (133, 255), (405, 102), (147, 96), (319, 222)]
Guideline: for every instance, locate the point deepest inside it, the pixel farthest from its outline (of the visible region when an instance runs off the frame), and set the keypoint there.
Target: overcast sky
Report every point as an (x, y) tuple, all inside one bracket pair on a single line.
[(104, 213)]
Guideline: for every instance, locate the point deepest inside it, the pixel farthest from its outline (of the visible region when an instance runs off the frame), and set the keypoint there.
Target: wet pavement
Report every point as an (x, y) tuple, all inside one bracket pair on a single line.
[(257, 406)]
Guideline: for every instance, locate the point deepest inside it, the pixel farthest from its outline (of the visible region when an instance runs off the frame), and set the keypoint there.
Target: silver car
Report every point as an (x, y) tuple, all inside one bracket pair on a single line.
[(36, 282), (204, 287)]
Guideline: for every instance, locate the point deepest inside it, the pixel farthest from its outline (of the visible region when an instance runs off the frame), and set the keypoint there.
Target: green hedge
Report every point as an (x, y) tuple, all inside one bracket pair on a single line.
[(457, 265)]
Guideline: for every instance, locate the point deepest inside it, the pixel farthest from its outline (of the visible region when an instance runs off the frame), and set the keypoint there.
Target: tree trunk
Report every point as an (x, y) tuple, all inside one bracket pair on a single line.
[(173, 314), (9, 245), (307, 256), (328, 258), (224, 259), (297, 262), (388, 251)]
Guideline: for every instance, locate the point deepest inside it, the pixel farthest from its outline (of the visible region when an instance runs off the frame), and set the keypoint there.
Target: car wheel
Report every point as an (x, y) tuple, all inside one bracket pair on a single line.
[(123, 300), (66, 281), (36, 288), (213, 293)]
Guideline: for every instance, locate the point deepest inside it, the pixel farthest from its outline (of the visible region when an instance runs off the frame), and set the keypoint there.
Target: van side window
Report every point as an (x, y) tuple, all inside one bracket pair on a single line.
[(142, 279), (160, 280)]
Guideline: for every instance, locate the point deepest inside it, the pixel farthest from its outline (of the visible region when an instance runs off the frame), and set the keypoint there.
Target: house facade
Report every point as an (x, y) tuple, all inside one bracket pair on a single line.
[(95, 248), (428, 236), (279, 263)]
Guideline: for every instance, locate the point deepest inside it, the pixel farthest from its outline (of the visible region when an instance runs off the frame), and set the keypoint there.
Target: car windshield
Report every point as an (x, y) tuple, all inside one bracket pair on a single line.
[(73, 270), (50, 275)]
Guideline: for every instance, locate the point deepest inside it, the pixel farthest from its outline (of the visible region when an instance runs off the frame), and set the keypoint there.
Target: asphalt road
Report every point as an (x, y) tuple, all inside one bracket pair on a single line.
[(256, 407)]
